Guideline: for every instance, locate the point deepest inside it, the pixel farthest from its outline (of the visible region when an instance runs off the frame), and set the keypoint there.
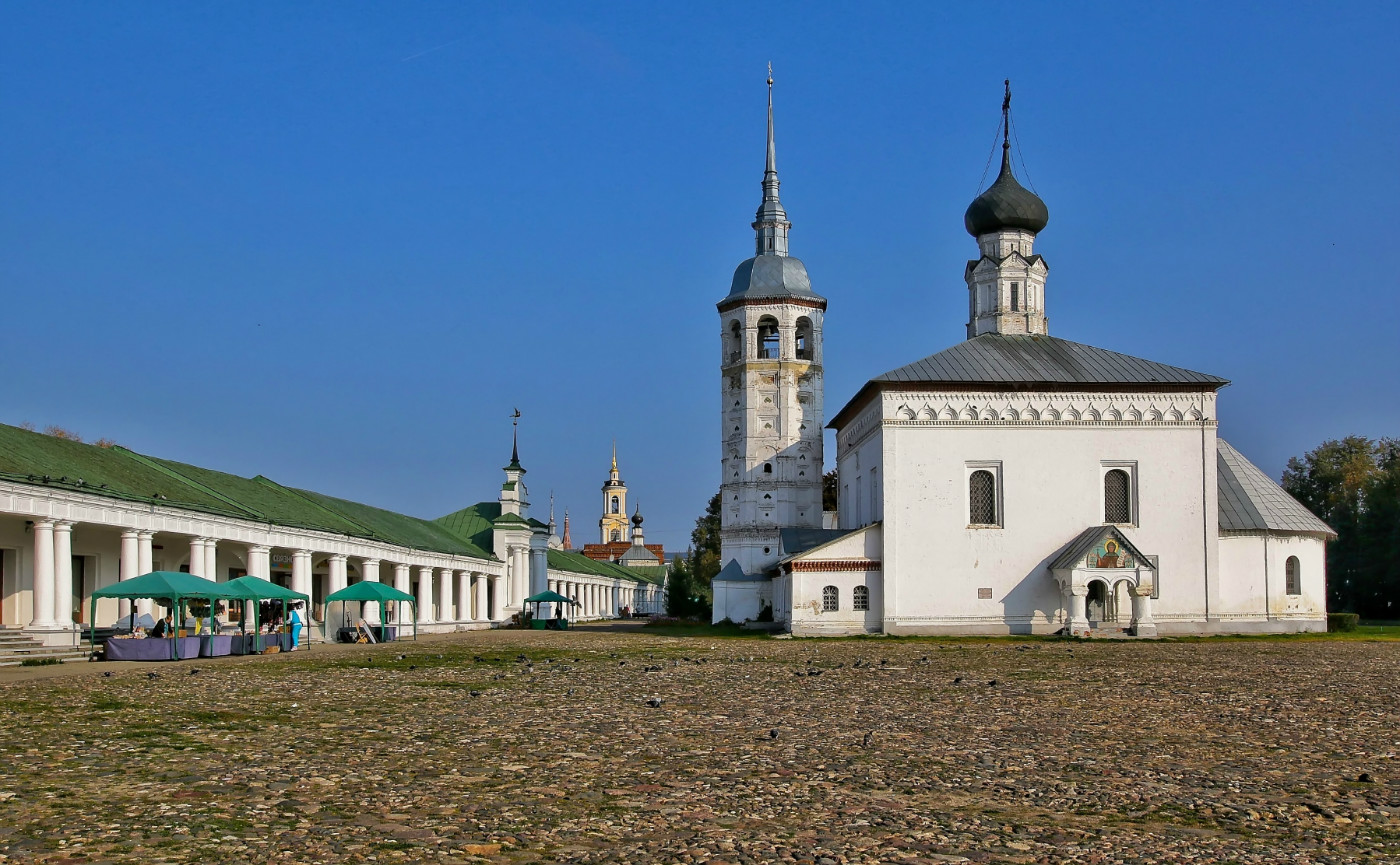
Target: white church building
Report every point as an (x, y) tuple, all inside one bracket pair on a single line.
[(1014, 483)]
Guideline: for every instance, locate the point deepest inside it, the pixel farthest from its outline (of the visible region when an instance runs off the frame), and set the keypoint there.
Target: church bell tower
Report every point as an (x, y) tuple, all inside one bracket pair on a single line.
[(770, 390)]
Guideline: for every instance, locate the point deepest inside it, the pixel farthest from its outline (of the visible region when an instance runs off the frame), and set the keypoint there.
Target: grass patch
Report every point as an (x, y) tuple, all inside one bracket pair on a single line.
[(40, 662), (103, 703), (682, 628)]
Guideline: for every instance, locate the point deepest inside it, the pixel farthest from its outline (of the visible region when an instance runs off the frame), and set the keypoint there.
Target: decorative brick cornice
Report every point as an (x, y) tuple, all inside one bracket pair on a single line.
[(835, 565), (727, 305)]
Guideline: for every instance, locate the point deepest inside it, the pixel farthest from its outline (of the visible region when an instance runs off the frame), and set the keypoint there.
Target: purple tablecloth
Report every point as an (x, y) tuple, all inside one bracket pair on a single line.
[(150, 649), (214, 645)]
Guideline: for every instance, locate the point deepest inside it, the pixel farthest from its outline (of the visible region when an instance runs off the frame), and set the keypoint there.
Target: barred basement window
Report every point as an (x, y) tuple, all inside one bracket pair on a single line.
[(1293, 580), (861, 601), (830, 599), (1117, 506), (982, 498)]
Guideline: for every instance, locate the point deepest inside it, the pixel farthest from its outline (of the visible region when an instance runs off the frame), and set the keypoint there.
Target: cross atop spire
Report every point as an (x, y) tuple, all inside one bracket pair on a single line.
[(771, 222), (1006, 118), (515, 442)]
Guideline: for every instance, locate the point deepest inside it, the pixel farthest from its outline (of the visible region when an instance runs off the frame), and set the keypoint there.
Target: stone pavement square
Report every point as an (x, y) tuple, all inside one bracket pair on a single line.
[(622, 745)]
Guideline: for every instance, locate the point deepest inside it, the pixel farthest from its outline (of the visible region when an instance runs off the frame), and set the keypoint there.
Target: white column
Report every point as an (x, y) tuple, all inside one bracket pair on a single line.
[(301, 580), (521, 590), (145, 563), (63, 574), (259, 565), (499, 591), (211, 560), (43, 575), (479, 611), (403, 612), (369, 570), (197, 556), (336, 577), (129, 567), (426, 615), (1078, 612), (1143, 626), (447, 609), (464, 596), (259, 561)]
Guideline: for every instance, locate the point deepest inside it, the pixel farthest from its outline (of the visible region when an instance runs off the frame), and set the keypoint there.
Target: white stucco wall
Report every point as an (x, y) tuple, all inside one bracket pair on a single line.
[(1051, 451), (809, 577), (1251, 562)]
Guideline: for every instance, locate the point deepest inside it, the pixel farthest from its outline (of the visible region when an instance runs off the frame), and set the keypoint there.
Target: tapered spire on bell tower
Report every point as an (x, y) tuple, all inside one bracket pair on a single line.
[(771, 223), (771, 393)]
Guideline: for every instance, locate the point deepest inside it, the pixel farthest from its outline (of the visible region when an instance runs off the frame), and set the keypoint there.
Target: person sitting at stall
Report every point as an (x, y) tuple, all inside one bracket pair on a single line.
[(164, 627)]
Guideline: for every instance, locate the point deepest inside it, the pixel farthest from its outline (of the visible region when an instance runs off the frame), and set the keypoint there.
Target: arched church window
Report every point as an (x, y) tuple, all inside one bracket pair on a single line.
[(616, 536), (736, 342), (767, 468), (768, 344), (831, 599), (860, 601), (1117, 499), (1015, 297), (982, 498), (614, 504), (804, 338), (1292, 575)]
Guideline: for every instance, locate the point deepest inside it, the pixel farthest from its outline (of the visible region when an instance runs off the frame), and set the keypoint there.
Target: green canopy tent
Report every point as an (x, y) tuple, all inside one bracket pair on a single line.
[(175, 586), (373, 590), (547, 597), (266, 590)]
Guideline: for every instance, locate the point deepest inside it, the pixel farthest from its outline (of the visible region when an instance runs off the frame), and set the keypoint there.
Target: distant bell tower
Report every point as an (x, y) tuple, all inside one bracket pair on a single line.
[(612, 527), (770, 390), (1006, 286)]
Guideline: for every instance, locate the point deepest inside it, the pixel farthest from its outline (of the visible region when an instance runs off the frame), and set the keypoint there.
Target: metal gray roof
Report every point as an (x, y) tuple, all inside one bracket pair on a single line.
[(800, 540), (775, 276), (995, 358), (1087, 540), (1251, 501), (732, 573)]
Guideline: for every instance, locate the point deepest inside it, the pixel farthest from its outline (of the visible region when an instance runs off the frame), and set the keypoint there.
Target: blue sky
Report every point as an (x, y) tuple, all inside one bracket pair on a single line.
[(337, 243)]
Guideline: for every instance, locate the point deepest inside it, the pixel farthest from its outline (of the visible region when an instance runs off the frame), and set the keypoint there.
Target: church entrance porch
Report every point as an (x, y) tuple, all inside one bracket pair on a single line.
[(1105, 581)]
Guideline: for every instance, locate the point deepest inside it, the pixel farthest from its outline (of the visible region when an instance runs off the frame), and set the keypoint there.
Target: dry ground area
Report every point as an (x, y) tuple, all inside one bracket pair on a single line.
[(541, 747)]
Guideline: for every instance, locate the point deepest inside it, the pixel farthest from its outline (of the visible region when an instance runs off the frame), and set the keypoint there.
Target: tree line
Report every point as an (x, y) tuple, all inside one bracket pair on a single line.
[(1353, 485)]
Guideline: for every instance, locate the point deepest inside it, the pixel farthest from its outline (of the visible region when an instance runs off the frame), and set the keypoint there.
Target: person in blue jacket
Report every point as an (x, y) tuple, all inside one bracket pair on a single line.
[(295, 621)]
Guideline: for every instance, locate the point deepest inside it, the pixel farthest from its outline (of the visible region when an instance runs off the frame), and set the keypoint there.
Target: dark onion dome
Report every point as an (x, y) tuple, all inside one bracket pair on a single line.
[(1005, 204), (637, 517)]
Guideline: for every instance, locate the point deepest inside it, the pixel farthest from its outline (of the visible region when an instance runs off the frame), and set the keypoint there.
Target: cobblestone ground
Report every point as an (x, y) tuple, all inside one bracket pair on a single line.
[(629, 747)]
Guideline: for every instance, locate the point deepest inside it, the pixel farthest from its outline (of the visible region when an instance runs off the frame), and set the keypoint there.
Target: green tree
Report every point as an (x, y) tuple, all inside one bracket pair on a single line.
[(688, 592), (1332, 480), (1379, 593), (831, 491)]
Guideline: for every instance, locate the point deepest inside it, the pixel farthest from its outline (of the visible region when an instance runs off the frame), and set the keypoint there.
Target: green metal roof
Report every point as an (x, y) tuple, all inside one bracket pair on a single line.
[(409, 531), (578, 563), (32, 458), (473, 524), (116, 472)]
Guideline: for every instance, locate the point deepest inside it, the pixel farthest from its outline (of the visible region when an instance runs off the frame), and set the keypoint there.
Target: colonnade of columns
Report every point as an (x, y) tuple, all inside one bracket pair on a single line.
[(599, 600), (462, 597), (445, 595)]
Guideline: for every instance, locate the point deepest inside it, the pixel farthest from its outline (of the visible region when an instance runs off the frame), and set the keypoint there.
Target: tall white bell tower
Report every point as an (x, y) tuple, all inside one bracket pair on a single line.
[(770, 390)]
